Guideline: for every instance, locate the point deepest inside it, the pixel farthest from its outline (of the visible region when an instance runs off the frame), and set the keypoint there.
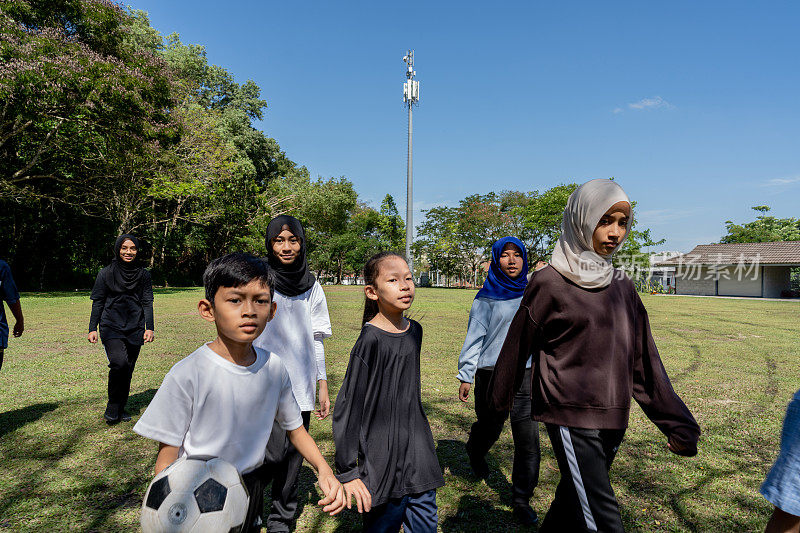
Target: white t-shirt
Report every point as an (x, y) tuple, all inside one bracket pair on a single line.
[(296, 333), (208, 405)]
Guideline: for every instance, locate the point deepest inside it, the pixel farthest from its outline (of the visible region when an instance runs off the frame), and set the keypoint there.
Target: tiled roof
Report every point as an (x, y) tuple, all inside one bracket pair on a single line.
[(784, 252)]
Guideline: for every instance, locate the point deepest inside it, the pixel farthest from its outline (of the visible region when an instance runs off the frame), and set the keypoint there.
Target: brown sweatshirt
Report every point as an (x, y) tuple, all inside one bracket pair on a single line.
[(592, 351)]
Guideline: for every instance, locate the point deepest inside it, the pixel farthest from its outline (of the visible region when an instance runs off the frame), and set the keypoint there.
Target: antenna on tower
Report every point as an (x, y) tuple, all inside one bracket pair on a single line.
[(410, 87), (410, 98)]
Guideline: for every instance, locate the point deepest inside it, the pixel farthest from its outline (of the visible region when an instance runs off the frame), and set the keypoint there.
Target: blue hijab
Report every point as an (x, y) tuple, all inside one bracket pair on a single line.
[(498, 286)]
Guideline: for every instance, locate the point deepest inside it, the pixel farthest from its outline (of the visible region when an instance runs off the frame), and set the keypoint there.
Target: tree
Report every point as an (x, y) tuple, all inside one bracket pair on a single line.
[(541, 220), (437, 241), (391, 228), (105, 126), (455, 240), (78, 102), (764, 228)]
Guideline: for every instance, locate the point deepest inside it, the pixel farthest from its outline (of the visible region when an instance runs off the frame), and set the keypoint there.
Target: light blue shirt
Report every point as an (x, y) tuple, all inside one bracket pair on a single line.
[(488, 325)]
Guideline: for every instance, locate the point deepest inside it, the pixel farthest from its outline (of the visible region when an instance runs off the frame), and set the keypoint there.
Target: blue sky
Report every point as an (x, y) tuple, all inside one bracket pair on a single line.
[(692, 106)]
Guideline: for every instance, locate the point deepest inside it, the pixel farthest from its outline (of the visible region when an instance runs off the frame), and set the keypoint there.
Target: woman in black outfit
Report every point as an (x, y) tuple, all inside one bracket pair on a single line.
[(122, 305)]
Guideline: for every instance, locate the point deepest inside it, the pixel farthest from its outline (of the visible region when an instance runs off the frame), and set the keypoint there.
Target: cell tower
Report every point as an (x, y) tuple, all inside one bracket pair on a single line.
[(410, 97)]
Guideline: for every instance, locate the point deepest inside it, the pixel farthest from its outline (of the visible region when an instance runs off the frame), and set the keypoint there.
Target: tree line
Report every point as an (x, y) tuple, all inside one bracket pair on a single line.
[(107, 126), (455, 241)]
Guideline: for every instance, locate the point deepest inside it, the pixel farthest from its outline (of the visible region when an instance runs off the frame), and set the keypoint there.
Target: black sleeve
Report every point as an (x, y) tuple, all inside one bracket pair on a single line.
[(98, 296), (347, 413), (147, 300), (653, 391), (509, 369)]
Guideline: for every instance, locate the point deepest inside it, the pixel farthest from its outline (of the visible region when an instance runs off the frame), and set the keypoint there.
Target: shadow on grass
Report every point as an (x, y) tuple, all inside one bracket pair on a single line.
[(139, 401), (642, 474), (453, 456), (13, 420), (309, 494), (77, 470), (68, 470), (479, 516)]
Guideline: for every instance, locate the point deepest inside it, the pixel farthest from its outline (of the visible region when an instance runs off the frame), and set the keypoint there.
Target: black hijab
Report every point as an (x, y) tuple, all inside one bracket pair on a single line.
[(293, 279), (123, 276)]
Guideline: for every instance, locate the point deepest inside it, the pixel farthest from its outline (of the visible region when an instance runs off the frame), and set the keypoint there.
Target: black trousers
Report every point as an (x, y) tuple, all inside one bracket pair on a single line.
[(282, 466), (2, 352), (122, 356), (584, 499), (255, 489), (486, 430)]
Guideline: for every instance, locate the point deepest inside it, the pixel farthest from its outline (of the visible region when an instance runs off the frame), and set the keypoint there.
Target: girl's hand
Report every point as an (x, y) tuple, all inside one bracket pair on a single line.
[(359, 490), (463, 391), (93, 337), (324, 401), (149, 335), (333, 502)]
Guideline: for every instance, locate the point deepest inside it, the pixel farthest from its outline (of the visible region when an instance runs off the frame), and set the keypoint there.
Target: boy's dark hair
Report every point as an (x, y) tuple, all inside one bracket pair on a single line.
[(235, 270), (371, 271)]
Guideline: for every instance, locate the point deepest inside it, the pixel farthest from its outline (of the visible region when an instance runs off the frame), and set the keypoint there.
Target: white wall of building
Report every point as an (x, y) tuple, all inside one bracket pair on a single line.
[(696, 282), (744, 282), (776, 279)]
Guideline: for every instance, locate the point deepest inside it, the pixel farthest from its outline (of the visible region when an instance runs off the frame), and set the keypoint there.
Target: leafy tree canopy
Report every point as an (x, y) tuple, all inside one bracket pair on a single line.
[(764, 228)]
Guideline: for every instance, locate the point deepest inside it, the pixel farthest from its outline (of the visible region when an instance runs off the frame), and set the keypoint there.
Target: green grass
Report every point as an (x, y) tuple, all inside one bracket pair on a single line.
[(734, 362)]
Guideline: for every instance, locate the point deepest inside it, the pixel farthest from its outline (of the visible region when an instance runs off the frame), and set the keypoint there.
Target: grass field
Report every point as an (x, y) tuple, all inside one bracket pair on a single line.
[(734, 362)]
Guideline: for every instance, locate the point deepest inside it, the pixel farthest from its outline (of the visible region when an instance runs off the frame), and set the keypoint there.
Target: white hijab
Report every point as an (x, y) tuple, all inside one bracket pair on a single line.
[(574, 256)]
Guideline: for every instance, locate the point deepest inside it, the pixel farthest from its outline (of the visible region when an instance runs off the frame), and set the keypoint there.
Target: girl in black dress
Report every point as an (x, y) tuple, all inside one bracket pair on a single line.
[(385, 455), (122, 305)]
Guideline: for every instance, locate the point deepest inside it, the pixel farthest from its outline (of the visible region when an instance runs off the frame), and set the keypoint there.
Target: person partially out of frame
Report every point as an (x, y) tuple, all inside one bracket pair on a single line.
[(9, 293), (782, 486), (122, 307)]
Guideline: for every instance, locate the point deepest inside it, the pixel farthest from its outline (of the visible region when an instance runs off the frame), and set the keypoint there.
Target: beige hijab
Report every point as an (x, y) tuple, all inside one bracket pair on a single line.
[(574, 256)]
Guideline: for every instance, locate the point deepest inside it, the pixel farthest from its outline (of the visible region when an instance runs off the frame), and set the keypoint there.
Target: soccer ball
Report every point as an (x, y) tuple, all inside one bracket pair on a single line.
[(195, 494)]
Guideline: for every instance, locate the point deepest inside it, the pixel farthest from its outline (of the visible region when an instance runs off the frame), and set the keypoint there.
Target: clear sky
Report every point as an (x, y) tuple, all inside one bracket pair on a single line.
[(693, 106)]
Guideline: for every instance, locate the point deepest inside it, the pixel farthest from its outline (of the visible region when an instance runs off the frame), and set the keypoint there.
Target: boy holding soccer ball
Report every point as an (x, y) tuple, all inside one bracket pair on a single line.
[(223, 399)]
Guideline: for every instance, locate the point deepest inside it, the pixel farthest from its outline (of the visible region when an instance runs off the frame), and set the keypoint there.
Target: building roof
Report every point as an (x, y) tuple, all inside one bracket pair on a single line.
[(765, 253)]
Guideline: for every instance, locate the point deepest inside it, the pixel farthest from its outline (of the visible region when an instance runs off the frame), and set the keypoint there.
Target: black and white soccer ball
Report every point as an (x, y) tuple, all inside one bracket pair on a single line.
[(197, 494)]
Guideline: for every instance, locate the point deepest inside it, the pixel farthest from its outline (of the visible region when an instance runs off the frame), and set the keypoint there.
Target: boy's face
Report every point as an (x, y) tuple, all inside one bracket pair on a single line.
[(240, 313)]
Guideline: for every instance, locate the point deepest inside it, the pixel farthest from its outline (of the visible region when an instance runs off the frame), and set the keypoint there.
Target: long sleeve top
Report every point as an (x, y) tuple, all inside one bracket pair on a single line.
[(488, 324), (9, 293), (296, 334), (381, 433), (592, 351), (122, 315)]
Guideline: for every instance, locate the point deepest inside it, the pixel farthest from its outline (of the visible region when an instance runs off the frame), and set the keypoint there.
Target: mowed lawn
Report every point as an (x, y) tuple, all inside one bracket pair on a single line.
[(734, 362)]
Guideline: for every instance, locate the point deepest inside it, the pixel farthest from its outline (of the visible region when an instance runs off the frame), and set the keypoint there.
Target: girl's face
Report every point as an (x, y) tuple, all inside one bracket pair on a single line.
[(511, 261), (393, 288), (611, 228), (127, 252), (286, 247)]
